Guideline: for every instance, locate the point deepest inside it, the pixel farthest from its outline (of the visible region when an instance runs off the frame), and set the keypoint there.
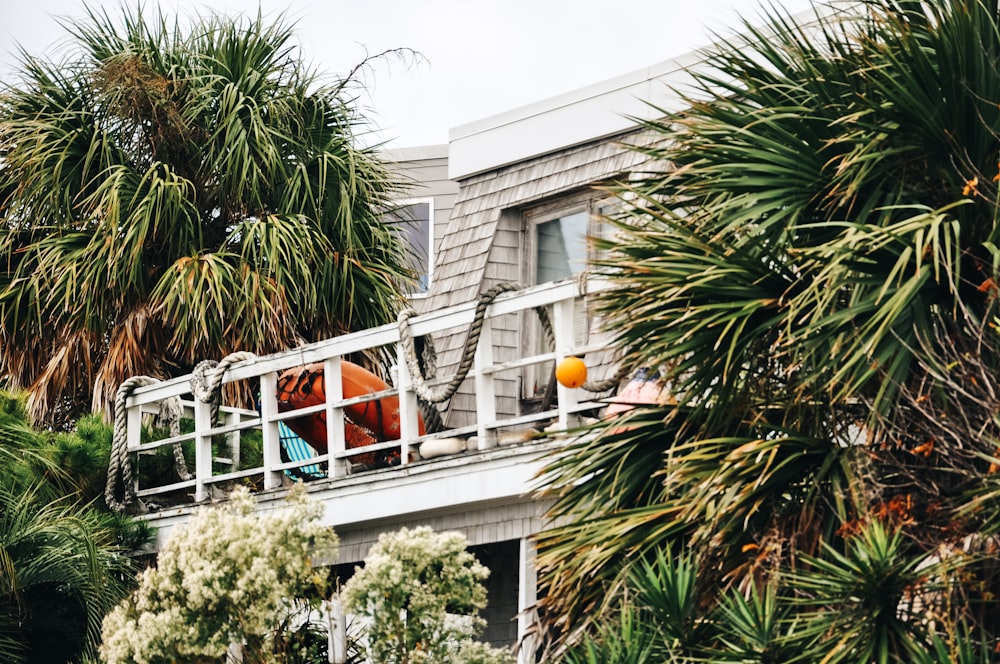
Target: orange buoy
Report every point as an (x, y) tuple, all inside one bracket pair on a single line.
[(571, 372), (364, 423)]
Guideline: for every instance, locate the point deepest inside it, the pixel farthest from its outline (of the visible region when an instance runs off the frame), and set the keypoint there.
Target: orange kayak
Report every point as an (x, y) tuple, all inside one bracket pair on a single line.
[(364, 423)]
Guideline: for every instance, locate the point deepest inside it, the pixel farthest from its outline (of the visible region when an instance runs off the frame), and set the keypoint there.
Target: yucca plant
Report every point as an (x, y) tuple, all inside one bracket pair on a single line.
[(755, 628), (622, 639), (874, 601), (172, 192), (815, 271)]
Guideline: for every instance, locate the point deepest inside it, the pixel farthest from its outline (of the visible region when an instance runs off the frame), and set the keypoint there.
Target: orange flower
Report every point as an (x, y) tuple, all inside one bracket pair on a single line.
[(970, 186)]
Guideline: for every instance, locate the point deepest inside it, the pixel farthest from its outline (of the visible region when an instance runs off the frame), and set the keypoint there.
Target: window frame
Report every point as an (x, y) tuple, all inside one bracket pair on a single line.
[(405, 203), (591, 202)]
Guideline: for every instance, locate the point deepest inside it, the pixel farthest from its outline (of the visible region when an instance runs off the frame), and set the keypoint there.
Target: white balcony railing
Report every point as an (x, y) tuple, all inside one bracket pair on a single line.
[(222, 448)]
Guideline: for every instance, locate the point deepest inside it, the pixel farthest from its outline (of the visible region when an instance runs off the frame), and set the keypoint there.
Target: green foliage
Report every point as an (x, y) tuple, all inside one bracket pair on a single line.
[(173, 194), (421, 591), (60, 572), (870, 602), (230, 575), (855, 600), (753, 628), (811, 260), (63, 560), (622, 639)]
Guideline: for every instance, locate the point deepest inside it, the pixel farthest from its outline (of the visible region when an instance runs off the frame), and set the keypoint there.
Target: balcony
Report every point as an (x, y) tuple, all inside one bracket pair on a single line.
[(492, 461)]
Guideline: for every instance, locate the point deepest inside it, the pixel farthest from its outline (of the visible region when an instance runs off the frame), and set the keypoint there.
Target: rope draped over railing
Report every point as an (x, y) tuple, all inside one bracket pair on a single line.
[(207, 378), (119, 467), (420, 378), (206, 386)]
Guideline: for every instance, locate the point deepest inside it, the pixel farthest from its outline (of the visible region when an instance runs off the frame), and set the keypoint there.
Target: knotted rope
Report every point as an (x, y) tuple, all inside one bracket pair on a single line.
[(205, 386), (206, 379)]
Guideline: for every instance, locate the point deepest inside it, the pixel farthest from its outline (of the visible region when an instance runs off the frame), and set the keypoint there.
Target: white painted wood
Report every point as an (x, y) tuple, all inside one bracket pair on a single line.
[(272, 438), (409, 427), (202, 449), (564, 327), (486, 403), (333, 389), (575, 117), (487, 417), (527, 595)]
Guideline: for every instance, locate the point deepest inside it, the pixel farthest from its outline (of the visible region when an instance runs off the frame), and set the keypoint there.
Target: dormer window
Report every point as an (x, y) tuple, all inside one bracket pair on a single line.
[(561, 246)]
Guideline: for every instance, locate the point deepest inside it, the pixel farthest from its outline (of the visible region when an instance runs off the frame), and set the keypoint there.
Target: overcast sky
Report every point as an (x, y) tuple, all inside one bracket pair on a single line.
[(479, 57)]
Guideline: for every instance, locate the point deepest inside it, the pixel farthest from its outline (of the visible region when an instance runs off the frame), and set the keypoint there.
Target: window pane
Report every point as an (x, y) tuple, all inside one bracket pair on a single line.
[(413, 224), (562, 247)]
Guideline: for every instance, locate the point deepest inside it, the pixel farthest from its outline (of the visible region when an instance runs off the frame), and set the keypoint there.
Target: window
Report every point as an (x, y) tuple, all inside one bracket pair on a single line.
[(414, 220), (561, 246), (558, 240), (558, 235)]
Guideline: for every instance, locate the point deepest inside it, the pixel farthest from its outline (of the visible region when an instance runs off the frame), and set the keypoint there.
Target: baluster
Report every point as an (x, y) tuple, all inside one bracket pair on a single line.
[(485, 381), (269, 427), (333, 387)]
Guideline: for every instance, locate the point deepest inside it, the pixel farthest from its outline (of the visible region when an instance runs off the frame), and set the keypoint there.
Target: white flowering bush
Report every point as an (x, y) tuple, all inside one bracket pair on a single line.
[(420, 592), (228, 576)]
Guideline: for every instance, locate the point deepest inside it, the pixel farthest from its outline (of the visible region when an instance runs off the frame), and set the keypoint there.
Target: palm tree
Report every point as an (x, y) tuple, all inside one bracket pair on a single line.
[(816, 275), (172, 195)]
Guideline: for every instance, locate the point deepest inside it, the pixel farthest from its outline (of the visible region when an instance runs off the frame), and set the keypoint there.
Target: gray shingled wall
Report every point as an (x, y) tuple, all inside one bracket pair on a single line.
[(483, 243)]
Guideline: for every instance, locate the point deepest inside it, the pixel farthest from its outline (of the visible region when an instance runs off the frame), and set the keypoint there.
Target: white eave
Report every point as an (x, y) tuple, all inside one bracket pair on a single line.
[(602, 109)]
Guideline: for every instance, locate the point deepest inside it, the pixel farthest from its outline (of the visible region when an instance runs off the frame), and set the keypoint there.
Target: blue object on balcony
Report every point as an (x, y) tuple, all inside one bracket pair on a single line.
[(298, 449)]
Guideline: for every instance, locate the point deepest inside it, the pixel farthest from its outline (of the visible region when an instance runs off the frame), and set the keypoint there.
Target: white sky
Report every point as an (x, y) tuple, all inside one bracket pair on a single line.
[(480, 57)]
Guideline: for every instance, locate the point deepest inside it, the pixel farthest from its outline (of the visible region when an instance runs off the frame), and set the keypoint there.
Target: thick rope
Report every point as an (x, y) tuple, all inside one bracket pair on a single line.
[(420, 377), (608, 383), (206, 379), (204, 387), (445, 392), (119, 466)]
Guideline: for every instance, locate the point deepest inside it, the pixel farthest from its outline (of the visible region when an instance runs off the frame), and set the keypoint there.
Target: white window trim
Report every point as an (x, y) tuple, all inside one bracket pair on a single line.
[(431, 251), (590, 202)]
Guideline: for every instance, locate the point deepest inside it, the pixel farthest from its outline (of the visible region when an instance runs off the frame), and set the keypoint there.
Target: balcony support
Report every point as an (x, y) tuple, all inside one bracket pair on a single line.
[(409, 428), (269, 426), (202, 449), (486, 403), (333, 388), (564, 329)]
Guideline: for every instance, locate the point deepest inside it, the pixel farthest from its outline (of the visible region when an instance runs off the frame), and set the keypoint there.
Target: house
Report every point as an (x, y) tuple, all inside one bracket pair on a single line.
[(510, 200)]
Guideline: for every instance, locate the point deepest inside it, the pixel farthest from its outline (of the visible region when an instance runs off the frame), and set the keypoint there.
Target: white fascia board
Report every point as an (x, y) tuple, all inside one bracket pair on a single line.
[(576, 117), (439, 486)]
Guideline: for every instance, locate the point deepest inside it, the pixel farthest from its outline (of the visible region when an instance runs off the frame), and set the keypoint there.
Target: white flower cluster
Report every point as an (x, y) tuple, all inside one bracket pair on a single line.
[(224, 577), (413, 584)]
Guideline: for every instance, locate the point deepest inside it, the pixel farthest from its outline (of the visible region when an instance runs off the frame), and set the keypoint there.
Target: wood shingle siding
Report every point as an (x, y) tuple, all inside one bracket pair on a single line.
[(484, 242)]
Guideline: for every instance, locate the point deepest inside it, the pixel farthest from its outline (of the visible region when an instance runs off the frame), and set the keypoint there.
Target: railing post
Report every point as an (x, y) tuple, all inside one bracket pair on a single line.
[(564, 329), (202, 449), (485, 381), (333, 388), (269, 429), (409, 429), (234, 439), (133, 436)]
